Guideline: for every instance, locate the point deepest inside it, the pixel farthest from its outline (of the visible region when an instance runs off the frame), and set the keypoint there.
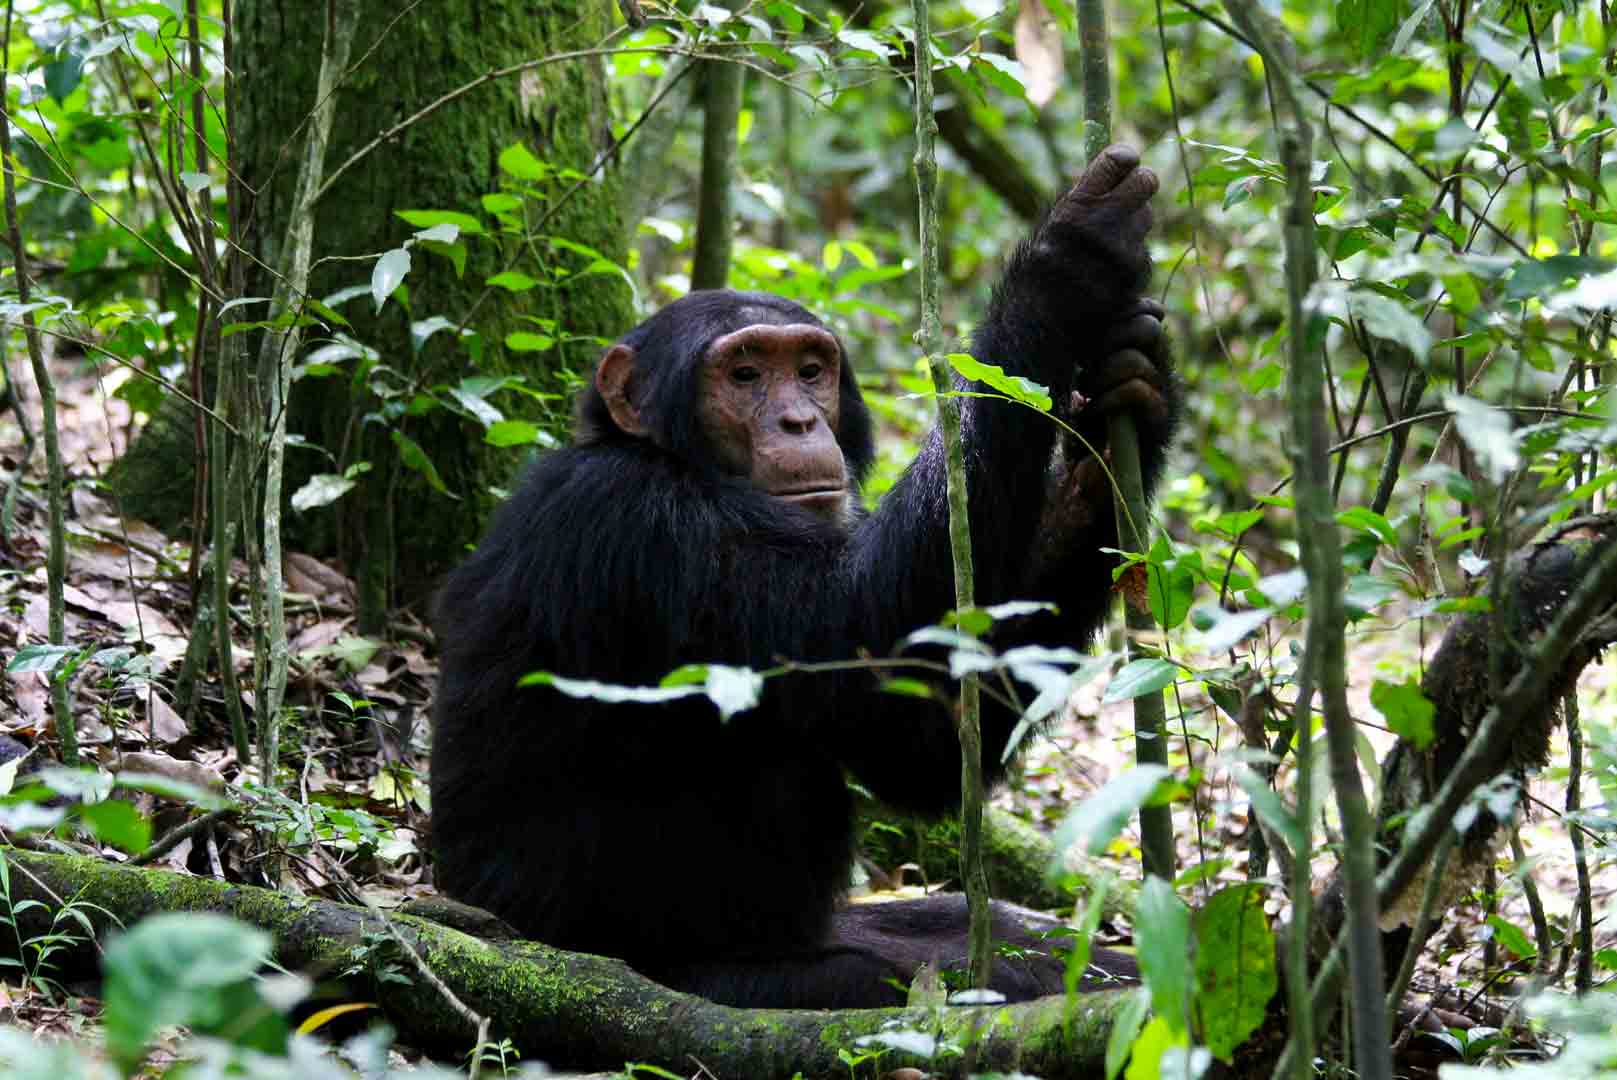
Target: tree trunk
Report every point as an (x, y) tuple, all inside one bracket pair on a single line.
[(405, 59)]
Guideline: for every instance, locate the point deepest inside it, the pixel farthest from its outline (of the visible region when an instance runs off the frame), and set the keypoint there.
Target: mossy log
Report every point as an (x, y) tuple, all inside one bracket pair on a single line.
[(575, 1009), (1017, 855)]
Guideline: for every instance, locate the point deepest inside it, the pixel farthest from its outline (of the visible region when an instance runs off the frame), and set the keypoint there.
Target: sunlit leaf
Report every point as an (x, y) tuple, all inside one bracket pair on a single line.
[(388, 274)]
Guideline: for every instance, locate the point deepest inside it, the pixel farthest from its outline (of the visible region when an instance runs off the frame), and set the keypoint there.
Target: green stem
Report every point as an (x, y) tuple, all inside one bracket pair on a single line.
[(1133, 528), (972, 871)]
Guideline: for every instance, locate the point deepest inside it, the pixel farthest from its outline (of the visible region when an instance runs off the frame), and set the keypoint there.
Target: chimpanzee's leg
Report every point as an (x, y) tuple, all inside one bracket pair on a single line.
[(875, 949)]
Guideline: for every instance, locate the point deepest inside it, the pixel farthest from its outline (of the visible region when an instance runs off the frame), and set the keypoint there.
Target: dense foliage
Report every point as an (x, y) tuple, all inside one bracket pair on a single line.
[(1457, 215)]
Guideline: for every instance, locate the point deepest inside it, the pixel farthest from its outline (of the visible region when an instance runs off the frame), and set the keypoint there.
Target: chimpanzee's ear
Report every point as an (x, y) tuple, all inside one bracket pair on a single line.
[(614, 378)]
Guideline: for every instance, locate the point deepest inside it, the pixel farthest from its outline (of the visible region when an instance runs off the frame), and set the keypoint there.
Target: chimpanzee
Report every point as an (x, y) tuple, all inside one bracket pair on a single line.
[(708, 511)]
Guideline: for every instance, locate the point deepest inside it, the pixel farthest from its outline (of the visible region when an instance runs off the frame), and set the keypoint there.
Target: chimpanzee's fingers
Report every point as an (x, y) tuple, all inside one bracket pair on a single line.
[(1145, 305), (1141, 332), (1137, 396), (1110, 168), (1119, 367)]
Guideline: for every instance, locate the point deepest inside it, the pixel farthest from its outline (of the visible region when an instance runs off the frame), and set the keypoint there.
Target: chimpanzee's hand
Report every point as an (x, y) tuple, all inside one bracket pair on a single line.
[(1103, 219), (1133, 375)]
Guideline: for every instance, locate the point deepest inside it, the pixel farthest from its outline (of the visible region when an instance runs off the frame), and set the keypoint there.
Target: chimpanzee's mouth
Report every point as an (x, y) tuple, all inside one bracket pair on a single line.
[(812, 494)]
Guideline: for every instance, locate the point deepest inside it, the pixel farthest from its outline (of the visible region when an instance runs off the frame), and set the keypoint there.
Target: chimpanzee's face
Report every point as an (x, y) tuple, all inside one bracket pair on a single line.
[(768, 404)]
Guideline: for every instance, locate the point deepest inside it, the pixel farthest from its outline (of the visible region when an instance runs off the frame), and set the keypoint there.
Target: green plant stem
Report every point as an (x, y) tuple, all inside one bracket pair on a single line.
[(1123, 441), (279, 349), (56, 552), (1583, 979), (1324, 658), (972, 871), (715, 212)]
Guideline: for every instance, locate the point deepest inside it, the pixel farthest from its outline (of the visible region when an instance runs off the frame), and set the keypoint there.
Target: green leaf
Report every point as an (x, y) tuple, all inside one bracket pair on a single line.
[(1488, 433), (42, 658), (63, 75), (519, 161), (1012, 386), (194, 969), (511, 433), (1006, 74), (908, 688), (1512, 937), (1235, 967), (1407, 711), (412, 455), (1162, 947), (1126, 1025), (431, 219), (169, 788), (1273, 812), (1095, 822), (1138, 678), (322, 489), (511, 281), (522, 341), (1386, 318), (1170, 583), (118, 823), (1366, 520), (388, 274), (501, 202)]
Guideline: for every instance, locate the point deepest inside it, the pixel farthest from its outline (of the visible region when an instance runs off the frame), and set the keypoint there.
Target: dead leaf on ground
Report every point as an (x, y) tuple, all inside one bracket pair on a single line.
[(167, 726), (308, 575), (31, 693), (173, 768), (95, 512)]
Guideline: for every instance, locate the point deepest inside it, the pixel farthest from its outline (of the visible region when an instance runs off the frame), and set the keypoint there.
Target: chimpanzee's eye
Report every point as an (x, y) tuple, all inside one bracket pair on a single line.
[(744, 374), (809, 372)]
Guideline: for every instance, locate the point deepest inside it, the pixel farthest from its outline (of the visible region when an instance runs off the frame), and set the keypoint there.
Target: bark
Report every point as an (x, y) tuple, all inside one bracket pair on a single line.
[(571, 1009), (405, 58), (715, 209), (1463, 684), (1496, 681)]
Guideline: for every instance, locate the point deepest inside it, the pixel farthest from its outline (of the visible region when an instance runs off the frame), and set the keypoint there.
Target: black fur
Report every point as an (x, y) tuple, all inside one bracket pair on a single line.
[(714, 855)]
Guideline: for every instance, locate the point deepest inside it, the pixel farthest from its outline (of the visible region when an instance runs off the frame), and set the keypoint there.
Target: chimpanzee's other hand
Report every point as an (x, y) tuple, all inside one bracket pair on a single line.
[(1106, 213), (1133, 376)]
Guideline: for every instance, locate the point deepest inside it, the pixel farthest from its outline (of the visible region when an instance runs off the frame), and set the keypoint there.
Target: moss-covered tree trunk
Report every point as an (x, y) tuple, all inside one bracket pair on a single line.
[(395, 532)]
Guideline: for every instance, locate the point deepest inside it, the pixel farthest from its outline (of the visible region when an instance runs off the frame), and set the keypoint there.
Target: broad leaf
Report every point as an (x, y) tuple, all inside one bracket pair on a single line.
[(1235, 967)]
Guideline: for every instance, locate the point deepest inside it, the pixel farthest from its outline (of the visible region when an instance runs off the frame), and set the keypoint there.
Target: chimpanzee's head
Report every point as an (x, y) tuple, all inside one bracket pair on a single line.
[(746, 384)]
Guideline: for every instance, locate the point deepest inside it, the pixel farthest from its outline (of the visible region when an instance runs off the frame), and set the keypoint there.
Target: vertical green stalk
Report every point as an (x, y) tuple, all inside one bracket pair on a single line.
[(1129, 505), (715, 211), (1324, 657), (56, 553), (972, 871)]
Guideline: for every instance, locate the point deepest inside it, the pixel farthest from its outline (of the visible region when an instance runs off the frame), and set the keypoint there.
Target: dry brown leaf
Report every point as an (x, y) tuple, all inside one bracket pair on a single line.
[(1039, 50), (167, 725), (31, 692), (173, 768), (308, 575)]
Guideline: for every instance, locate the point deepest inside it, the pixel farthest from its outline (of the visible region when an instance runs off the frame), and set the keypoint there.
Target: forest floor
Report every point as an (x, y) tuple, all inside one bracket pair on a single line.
[(127, 585)]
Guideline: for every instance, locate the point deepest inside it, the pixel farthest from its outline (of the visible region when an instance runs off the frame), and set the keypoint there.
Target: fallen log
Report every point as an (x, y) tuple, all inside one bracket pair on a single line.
[(576, 1009)]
